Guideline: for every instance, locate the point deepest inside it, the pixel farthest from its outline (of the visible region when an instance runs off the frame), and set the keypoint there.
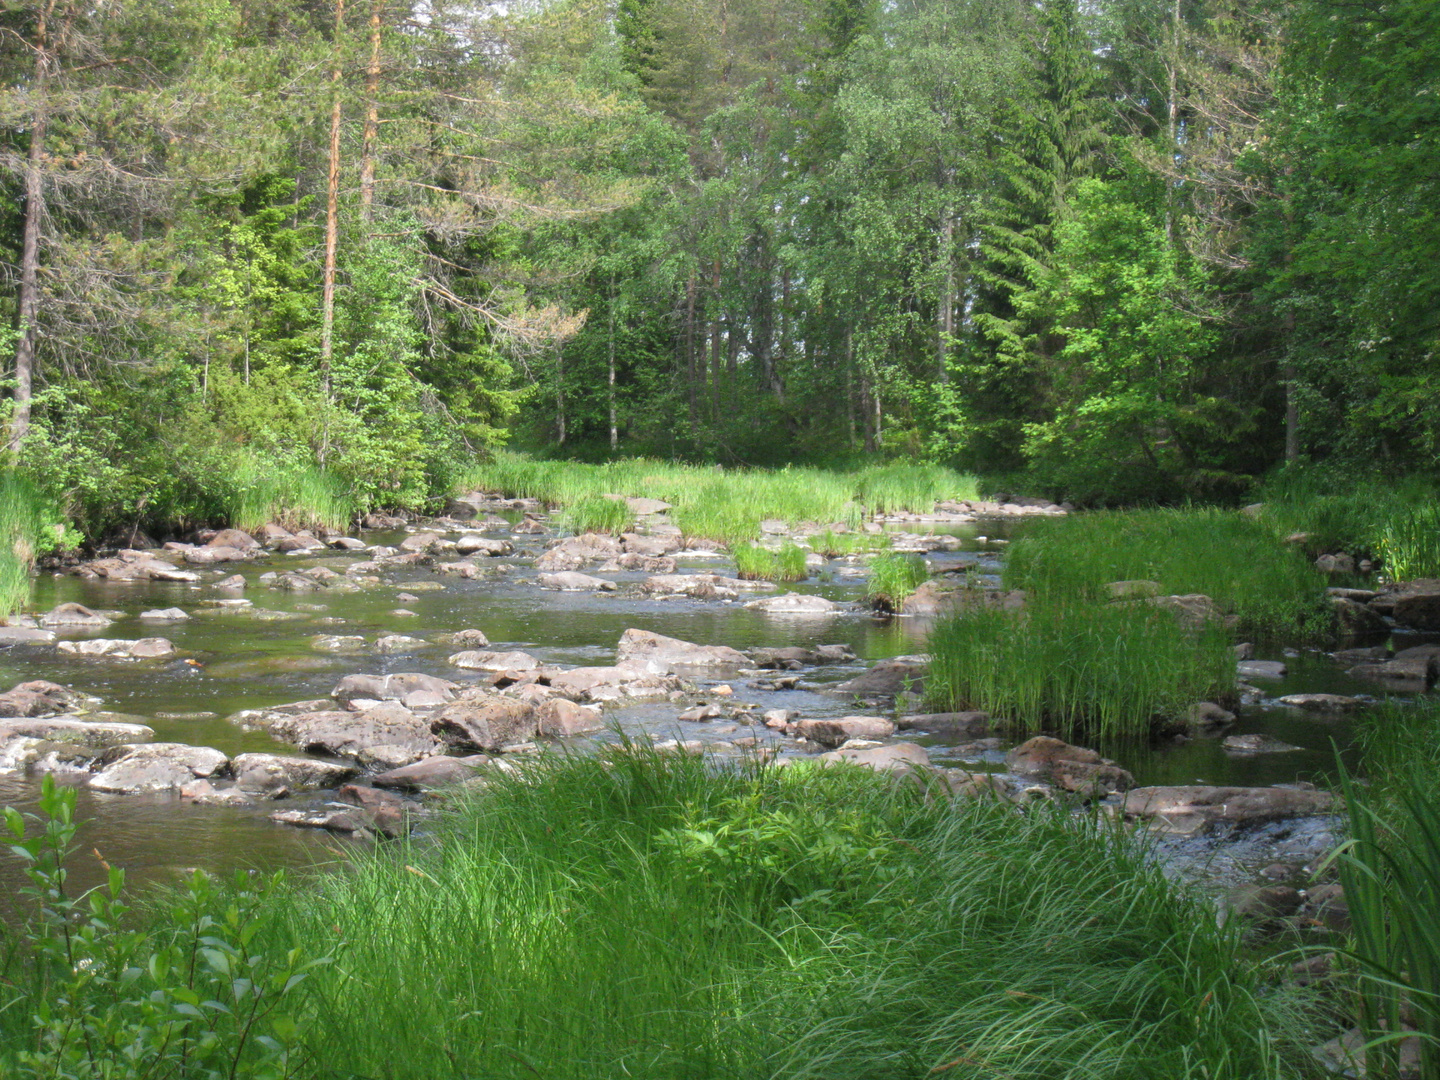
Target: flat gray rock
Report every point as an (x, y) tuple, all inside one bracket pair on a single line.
[(156, 767)]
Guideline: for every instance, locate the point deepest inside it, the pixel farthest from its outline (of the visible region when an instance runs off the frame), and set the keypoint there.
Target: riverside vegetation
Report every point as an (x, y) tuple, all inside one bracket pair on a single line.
[(653, 916), (648, 914)]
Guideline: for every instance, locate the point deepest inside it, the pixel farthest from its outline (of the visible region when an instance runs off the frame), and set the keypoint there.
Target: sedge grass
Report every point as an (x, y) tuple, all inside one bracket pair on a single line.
[(1085, 671), (893, 577), (598, 514), (640, 916), (1409, 543), (727, 505), (296, 496), (835, 545), (755, 563), (1267, 588), (23, 535)]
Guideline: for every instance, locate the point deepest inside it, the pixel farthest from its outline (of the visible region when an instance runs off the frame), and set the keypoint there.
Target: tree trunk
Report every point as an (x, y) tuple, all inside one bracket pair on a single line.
[(1172, 119), (28, 298), (945, 311), (372, 115), (614, 427), (690, 358), (332, 233)]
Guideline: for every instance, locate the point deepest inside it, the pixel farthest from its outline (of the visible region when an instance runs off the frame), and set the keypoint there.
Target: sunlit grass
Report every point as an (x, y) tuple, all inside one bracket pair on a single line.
[(596, 513), (24, 534), (893, 577), (1081, 669), (1234, 560), (727, 506), (295, 496), (666, 918), (755, 563)]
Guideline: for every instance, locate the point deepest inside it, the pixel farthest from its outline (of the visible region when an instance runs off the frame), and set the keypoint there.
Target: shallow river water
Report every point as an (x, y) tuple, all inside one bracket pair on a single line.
[(266, 656)]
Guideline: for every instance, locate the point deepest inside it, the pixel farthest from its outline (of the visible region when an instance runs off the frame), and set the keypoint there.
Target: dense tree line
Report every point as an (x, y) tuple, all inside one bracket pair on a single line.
[(1133, 250)]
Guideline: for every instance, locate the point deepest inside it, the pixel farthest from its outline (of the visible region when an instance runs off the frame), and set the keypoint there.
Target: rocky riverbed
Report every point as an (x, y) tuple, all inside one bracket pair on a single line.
[(343, 683)]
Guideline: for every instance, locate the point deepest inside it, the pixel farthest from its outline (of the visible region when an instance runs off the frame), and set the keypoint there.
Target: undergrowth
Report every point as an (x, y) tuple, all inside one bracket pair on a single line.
[(755, 563), (295, 496)]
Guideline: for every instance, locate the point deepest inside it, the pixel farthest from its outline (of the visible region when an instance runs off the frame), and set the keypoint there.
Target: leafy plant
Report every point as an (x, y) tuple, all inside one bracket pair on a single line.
[(189, 994)]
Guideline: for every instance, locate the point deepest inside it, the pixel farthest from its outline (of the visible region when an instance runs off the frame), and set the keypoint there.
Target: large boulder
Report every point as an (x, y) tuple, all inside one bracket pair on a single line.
[(967, 725), (837, 731), (130, 565), (614, 683), (560, 718), (794, 604), (430, 772), (130, 770), (120, 649), (576, 551), (903, 758), (793, 656), (355, 734), (233, 538), (70, 616), (485, 722), (573, 581), (62, 742), (413, 689), (39, 698), (660, 652), (888, 677), (1073, 768), (479, 660), (1355, 619), (273, 773), (1417, 604), (1194, 804)]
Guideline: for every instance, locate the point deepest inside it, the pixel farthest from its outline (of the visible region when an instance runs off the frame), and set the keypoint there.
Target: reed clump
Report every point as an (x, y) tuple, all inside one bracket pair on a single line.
[(643, 915), (1084, 671), (1267, 588), (836, 545), (894, 576), (295, 495), (727, 505), (755, 563), (25, 532), (598, 514)]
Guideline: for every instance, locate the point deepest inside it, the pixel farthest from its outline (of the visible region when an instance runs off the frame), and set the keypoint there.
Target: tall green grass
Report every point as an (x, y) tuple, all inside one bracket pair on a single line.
[(727, 506), (639, 916), (1086, 671), (893, 577), (835, 545), (1232, 559), (1367, 515), (295, 496), (1390, 871), (596, 513), (755, 563), (24, 534)]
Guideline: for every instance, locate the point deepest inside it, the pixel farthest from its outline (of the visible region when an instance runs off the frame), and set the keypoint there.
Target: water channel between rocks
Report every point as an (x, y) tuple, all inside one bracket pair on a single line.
[(265, 656)]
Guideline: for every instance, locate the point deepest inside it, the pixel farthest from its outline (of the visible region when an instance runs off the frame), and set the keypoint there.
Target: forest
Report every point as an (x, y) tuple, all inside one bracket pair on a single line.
[(1138, 251)]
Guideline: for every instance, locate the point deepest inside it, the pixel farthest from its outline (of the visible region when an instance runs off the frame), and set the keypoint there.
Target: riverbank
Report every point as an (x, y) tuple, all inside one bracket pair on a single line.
[(330, 662)]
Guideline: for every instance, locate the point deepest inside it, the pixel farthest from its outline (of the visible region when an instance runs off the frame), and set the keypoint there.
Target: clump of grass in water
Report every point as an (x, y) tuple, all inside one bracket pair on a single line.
[(909, 487), (835, 545), (1083, 670), (596, 513), (660, 917), (1234, 560), (893, 577), (755, 563), (295, 496), (23, 535)]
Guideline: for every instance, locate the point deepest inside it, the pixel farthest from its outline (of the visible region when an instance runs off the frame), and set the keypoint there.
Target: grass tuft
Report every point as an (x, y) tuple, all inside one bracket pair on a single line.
[(598, 514), (893, 577), (295, 496), (24, 534), (755, 563)]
